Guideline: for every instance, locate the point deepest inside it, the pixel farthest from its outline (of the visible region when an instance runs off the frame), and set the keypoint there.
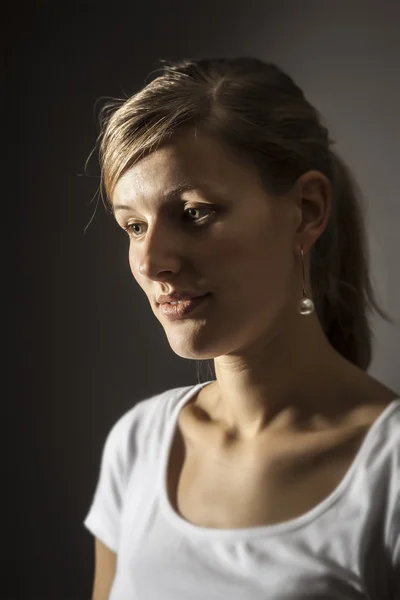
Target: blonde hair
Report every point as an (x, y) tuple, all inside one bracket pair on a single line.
[(260, 112)]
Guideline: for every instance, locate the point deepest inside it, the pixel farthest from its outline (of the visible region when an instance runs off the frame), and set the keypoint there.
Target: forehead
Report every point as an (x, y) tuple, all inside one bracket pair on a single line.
[(201, 161)]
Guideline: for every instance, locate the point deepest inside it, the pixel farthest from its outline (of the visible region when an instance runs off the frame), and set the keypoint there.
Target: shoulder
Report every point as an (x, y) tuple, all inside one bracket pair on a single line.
[(136, 438), (382, 441), (146, 419), (379, 493)]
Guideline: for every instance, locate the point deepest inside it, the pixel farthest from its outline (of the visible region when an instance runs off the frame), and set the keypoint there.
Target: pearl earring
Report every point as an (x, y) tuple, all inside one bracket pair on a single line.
[(306, 305)]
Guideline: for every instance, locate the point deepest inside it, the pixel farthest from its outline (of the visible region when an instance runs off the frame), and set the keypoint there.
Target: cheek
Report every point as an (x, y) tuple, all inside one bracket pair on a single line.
[(240, 254), (134, 266), (131, 262), (258, 264)]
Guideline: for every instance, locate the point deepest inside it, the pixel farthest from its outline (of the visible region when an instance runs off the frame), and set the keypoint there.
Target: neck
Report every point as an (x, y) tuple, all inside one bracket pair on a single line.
[(281, 378)]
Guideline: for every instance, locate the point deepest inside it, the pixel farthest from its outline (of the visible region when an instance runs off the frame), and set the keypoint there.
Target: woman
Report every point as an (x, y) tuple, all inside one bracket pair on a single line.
[(280, 478)]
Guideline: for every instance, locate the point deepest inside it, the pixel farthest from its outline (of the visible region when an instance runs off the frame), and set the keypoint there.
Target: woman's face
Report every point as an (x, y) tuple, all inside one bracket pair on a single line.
[(226, 236)]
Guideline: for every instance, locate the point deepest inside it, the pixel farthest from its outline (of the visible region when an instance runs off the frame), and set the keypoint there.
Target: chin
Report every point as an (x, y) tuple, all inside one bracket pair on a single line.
[(194, 348)]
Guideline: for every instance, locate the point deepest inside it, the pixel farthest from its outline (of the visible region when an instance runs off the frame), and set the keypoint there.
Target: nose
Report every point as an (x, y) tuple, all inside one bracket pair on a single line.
[(161, 253)]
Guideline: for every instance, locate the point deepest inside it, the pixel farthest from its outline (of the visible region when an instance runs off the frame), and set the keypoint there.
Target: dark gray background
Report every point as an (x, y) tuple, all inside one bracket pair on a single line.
[(86, 344)]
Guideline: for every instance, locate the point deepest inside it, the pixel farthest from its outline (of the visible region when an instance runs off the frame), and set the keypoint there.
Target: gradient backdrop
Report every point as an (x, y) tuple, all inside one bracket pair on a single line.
[(86, 344)]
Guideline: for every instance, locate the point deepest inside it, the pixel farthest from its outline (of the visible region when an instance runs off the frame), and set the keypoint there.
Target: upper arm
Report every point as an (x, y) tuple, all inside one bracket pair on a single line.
[(104, 572)]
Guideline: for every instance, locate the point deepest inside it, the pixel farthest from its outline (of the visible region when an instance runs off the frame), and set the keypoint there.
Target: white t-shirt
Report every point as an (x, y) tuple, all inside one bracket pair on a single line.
[(347, 547)]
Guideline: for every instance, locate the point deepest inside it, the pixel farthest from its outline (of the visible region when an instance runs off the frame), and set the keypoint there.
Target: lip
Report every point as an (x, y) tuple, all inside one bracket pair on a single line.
[(175, 312), (175, 296)]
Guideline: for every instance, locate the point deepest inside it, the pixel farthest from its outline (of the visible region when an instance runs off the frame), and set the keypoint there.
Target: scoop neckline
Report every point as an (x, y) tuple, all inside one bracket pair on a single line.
[(248, 533)]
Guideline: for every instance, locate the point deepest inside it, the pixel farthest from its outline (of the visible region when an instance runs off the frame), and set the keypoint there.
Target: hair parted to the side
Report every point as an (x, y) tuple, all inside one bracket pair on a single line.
[(260, 112)]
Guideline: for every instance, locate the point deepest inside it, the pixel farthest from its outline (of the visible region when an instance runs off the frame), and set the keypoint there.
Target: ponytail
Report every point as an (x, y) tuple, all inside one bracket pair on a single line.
[(339, 271)]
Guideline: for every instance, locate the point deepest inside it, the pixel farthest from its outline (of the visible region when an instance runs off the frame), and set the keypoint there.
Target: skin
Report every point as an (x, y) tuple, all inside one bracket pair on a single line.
[(275, 368)]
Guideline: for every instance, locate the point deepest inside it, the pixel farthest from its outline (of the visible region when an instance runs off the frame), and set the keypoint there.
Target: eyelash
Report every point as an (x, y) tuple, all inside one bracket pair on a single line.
[(129, 231)]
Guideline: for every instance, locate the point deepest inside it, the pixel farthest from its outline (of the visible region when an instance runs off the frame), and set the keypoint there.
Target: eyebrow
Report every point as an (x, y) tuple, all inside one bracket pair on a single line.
[(168, 196)]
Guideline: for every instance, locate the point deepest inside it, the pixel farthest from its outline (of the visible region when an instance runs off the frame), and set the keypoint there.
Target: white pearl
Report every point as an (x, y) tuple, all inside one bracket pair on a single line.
[(306, 306)]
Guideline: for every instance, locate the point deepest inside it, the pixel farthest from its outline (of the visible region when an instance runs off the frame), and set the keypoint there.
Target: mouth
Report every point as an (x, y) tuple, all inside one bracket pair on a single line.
[(180, 309)]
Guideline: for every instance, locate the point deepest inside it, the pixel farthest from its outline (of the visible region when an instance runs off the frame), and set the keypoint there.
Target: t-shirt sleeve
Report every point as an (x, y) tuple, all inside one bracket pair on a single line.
[(394, 521), (104, 515), (396, 562)]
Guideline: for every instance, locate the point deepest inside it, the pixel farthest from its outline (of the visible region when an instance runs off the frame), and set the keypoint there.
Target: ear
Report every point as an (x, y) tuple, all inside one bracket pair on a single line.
[(313, 196)]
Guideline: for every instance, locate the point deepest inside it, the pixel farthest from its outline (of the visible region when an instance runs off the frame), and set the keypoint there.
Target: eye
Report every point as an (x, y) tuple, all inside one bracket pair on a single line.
[(129, 228)]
